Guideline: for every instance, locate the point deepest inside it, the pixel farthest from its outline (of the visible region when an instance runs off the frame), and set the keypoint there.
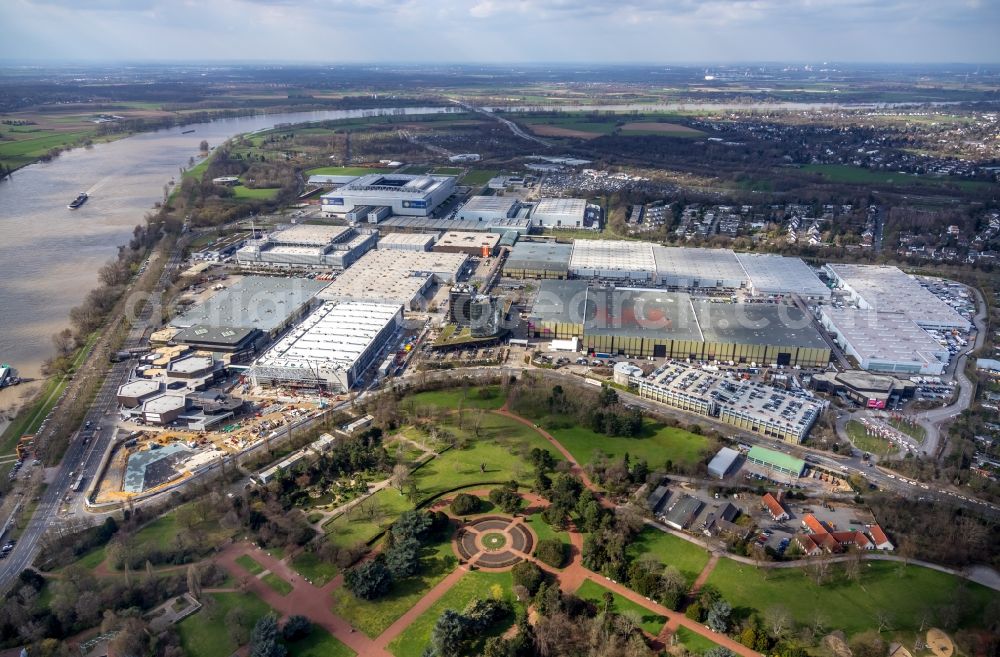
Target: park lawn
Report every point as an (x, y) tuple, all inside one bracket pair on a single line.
[(278, 584), (313, 569), (503, 446), (344, 171), (488, 397), (648, 620), (361, 527), (250, 564), (544, 531), (851, 606), (657, 444), (204, 634), (473, 585), (265, 194), (374, 616), (448, 171), (479, 176), (873, 444), (694, 642), (671, 550), (319, 643)]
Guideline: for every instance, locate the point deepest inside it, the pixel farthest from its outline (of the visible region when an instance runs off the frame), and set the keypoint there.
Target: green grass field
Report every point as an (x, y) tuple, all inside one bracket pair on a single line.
[(277, 584), (694, 642), (313, 569), (476, 584), (842, 173), (246, 193), (32, 145), (915, 431), (657, 444), (448, 171), (580, 123), (204, 633), (450, 399), (373, 616), (649, 621), (348, 530), (479, 176), (250, 565), (319, 643), (873, 444), (851, 606), (687, 557), (344, 171)]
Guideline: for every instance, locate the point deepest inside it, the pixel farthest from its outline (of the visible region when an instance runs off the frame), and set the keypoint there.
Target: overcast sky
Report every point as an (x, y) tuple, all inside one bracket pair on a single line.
[(459, 31)]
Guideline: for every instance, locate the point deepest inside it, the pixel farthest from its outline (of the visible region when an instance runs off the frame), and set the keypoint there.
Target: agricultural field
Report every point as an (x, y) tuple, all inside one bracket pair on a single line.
[(842, 173), (658, 128)]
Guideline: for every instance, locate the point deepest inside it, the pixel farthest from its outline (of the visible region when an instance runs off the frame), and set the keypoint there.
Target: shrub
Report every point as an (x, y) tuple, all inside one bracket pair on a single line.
[(296, 627), (528, 575), (551, 551), (465, 504)]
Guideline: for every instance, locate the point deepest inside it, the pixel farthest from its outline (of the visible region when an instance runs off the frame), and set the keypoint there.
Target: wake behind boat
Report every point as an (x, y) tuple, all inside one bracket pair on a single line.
[(78, 201)]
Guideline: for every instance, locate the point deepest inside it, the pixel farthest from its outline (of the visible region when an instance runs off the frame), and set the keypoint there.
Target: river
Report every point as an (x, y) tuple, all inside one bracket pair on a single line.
[(50, 255)]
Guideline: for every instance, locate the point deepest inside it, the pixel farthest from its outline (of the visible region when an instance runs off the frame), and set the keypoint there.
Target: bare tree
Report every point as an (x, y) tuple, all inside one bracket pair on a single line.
[(884, 620), (778, 619), (400, 477)]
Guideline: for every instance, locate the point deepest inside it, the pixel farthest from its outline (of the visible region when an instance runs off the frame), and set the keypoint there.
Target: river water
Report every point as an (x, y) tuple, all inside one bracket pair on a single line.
[(49, 255)]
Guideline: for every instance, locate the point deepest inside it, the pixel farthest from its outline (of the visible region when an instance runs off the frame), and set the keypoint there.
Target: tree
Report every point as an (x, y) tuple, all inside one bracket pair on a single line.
[(779, 621), (400, 477), (718, 616), (868, 644), (264, 638), (237, 624), (369, 580), (506, 498), (194, 582), (203, 146), (465, 504), (551, 551), (448, 634), (296, 627), (718, 651), (411, 524), (528, 575), (694, 612), (403, 558)]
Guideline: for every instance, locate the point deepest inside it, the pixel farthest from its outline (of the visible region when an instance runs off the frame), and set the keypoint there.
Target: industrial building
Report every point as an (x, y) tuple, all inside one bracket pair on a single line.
[(481, 245), (616, 260), (883, 288), (724, 463), (752, 406), (688, 269), (305, 246), (643, 323), (396, 277), (770, 274), (407, 241), (562, 213), (777, 461), (409, 195), (324, 180), (330, 349), (220, 339), (538, 260), (152, 402), (480, 313), (517, 224), (868, 390), (267, 303), (885, 341), (489, 208)]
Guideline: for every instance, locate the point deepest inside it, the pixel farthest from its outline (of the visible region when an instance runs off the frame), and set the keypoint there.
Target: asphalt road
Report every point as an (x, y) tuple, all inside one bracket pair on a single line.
[(83, 456)]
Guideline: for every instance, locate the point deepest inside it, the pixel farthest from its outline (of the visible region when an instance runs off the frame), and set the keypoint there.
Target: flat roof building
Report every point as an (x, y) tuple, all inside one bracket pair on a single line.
[(885, 341), (331, 348), (682, 512), (329, 181), (888, 289), (267, 303), (643, 323), (777, 461), (306, 246), (410, 195), (561, 213), (724, 463), (613, 260), (224, 339), (756, 407), (771, 274), (683, 268), (538, 260), (488, 208), (474, 244), (407, 241), (518, 224), (397, 277)]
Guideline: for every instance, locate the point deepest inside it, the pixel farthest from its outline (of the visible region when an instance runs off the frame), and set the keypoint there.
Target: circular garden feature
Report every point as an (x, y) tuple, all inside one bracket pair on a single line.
[(494, 542)]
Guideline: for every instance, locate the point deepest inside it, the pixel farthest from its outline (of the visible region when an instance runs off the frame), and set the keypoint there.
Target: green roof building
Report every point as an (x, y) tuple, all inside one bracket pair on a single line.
[(778, 461)]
